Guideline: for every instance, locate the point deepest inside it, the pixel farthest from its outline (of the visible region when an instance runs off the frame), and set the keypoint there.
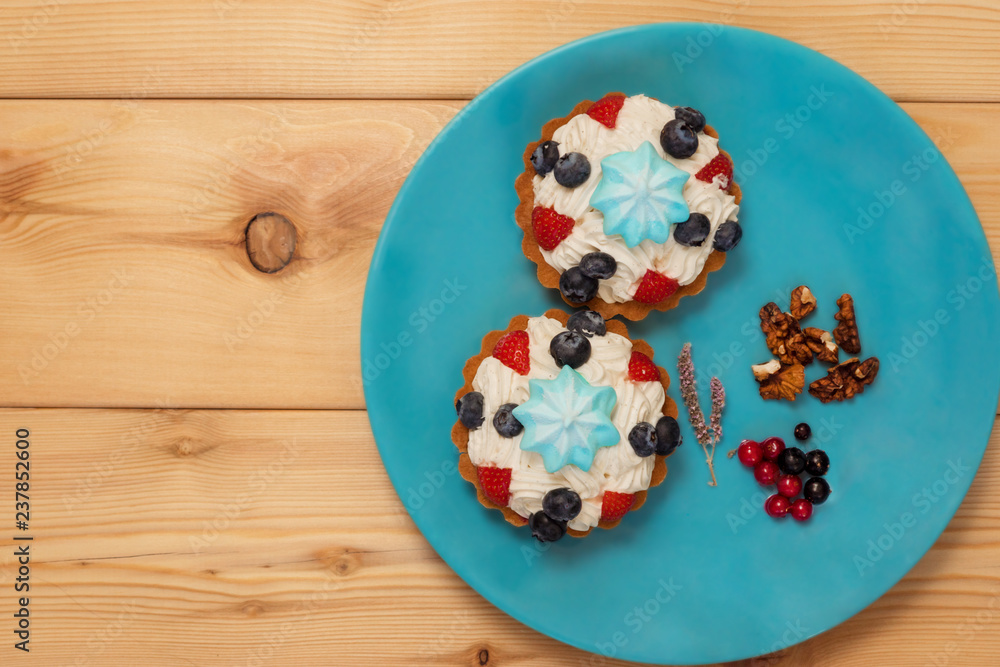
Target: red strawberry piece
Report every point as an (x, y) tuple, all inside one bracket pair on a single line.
[(550, 227), (616, 505), (512, 351), (605, 110), (720, 164), (642, 369), (495, 483), (655, 287)]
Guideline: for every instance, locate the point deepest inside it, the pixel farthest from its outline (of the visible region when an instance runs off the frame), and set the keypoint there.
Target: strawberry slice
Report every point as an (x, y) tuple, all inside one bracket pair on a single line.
[(550, 227), (655, 287), (512, 351), (616, 505), (605, 110), (642, 369), (720, 164), (495, 483)]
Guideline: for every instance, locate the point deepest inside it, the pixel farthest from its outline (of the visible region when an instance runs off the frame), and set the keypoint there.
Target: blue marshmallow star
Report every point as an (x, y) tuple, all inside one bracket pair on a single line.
[(567, 420), (640, 195)]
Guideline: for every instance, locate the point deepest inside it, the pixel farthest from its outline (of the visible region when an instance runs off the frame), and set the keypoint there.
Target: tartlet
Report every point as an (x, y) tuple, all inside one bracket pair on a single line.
[(596, 399), (642, 225)]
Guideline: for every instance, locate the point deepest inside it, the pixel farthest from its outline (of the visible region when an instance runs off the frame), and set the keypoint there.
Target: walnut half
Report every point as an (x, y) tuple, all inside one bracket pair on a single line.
[(778, 380), (846, 331), (822, 345), (803, 302), (845, 380), (784, 338)]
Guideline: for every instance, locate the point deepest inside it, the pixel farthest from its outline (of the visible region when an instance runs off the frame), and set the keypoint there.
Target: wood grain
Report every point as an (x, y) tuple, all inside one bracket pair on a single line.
[(259, 537), (921, 50), (127, 283), (126, 278)]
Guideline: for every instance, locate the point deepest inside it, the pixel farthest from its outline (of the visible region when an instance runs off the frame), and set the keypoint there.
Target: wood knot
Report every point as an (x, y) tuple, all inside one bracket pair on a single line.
[(483, 656), (346, 564), (252, 608), (341, 562), (270, 240), (186, 447)]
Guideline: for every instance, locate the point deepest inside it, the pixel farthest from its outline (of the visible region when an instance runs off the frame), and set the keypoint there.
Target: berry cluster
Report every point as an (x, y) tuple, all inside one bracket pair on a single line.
[(774, 464), (579, 283), (679, 139), (570, 170), (559, 507)]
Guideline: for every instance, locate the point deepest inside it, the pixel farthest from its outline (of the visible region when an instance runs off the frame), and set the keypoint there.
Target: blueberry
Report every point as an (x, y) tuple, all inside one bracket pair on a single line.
[(677, 139), (792, 461), (470, 410), (598, 265), (577, 286), (693, 231), (694, 118), (668, 435), (545, 157), (802, 431), (587, 322), (562, 504), (642, 437), (570, 348), (727, 236), (546, 529), (816, 490), (817, 463), (505, 422), (572, 170)]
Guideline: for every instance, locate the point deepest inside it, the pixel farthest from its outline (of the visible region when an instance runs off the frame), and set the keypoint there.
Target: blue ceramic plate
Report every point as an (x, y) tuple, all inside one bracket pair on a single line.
[(843, 192)]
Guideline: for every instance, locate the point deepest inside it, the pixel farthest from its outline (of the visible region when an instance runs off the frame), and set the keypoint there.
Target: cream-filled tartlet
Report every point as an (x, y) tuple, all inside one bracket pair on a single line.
[(564, 423), (627, 204)]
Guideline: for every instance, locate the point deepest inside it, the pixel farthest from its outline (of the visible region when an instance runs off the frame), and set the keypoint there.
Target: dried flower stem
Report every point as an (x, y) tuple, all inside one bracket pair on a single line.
[(689, 394), (718, 403)]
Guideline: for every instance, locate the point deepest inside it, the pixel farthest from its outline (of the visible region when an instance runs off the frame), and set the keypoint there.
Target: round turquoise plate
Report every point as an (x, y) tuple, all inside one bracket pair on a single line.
[(843, 192)]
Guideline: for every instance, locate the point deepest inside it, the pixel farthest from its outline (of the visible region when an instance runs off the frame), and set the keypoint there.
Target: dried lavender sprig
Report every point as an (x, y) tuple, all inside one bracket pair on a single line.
[(689, 394), (718, 403)]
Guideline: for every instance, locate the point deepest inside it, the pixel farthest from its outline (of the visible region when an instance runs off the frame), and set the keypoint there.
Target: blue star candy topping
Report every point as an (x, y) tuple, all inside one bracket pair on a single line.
[(567, 420), (640, 195)]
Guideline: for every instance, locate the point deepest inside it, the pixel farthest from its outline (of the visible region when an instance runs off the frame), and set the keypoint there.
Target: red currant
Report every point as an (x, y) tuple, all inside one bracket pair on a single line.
[(750, 453), (772, 447), (789, 485), (776, 506), (801, 509), (766, 472)]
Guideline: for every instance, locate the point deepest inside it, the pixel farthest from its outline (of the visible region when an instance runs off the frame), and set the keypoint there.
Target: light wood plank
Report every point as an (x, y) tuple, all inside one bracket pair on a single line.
[(159, 194), (195, 536), (921, 50), (127, 281)]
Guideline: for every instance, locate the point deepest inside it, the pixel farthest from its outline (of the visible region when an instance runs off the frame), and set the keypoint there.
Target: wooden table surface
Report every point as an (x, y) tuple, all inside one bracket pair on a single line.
[(205, 489)]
